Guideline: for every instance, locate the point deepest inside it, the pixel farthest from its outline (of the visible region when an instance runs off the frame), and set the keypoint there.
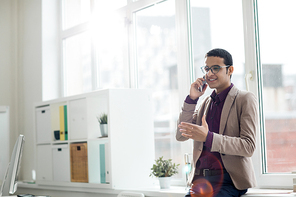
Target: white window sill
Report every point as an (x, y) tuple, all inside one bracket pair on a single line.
[(253, 192), (150, 192)]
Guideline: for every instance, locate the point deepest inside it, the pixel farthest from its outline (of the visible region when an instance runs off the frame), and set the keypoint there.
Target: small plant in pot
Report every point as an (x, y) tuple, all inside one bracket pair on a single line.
[(164, 169), (103, 120)]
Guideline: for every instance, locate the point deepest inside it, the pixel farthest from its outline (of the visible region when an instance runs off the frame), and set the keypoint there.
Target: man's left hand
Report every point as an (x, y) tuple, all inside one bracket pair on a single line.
[(193, 131)]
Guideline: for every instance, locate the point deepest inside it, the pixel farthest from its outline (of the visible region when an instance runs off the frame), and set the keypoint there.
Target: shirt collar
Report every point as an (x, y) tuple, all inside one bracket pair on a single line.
[(222, 95)]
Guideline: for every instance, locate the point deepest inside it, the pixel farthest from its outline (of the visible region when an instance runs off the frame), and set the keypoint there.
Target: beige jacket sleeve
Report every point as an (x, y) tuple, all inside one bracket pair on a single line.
[(190, 113), (186, 115)]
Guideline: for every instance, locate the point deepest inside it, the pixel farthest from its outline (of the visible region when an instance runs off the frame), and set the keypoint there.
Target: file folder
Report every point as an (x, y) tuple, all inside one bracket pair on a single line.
[(66, 122), (62, 123), (102, 163)]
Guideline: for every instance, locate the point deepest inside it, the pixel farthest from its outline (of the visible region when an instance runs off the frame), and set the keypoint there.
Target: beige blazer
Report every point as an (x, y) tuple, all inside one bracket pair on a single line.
[(237, 135)]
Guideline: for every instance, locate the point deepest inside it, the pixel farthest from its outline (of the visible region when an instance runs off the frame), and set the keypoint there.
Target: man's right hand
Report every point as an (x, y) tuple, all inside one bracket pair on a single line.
[(194, 89)]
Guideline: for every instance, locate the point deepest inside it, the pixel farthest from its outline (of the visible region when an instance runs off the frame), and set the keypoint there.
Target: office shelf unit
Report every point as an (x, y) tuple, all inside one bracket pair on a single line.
[(120, 161)]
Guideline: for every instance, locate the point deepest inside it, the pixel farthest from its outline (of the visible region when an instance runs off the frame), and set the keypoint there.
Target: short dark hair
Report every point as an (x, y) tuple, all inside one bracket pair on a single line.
[(221, 53)]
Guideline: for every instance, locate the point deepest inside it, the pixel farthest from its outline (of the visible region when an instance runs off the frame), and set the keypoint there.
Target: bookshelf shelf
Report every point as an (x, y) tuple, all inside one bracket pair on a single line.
[(121, 160)]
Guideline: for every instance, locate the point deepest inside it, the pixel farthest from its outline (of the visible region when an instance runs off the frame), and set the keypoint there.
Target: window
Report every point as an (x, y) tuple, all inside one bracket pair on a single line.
[(76, 47), (109, 34), (75, 12), (267, 63), (279, 83), (111, 55), (156, 65), (77, 64), (93, 43), (218, 24), (277, 91)]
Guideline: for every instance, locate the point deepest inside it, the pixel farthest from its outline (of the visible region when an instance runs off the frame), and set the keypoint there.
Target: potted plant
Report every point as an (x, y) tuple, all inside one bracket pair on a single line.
[(103, 120), (164, 169)]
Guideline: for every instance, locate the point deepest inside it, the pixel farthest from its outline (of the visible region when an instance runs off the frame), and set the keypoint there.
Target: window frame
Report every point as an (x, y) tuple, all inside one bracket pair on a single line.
[(254, 80)]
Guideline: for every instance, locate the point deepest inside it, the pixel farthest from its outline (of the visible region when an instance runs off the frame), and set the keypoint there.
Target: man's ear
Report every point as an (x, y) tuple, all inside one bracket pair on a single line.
[(230, 70)]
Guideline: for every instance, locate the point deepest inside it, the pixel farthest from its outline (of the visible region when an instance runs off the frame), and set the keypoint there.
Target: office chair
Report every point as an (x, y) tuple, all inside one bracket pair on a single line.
[(130, 194)]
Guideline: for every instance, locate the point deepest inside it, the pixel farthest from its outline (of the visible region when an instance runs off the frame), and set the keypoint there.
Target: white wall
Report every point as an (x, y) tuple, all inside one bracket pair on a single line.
[(7, 48), (8, 64), (20, 70), (30, 75)]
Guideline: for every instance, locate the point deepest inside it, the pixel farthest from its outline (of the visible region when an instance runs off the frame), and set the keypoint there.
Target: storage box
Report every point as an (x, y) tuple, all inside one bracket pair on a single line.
[(61, 163), (78, 119), (79, 162), (44, 163), (43, 125)]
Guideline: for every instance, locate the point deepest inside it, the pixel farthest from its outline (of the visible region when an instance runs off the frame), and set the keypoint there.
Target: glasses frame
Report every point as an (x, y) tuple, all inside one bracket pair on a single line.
[(210, 69)]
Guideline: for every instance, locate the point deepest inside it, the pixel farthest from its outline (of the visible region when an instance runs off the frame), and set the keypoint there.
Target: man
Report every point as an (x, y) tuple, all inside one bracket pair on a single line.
[(223, 128)]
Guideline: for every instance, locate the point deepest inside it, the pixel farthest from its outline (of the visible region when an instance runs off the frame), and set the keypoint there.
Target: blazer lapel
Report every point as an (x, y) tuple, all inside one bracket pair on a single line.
[(226, 108), (207, 106), (204, 110)]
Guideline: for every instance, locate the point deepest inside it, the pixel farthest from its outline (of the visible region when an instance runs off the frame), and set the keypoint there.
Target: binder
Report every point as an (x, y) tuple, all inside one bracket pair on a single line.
[(62, 123), (66, 122), (102, 163), (107, 169)]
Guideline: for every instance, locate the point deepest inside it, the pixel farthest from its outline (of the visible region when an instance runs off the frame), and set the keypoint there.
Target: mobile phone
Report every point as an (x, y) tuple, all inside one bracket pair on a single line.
[(203, 84)]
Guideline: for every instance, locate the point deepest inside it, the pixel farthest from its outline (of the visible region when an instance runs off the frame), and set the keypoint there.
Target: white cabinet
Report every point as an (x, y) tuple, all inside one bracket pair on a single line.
[(120, 161)]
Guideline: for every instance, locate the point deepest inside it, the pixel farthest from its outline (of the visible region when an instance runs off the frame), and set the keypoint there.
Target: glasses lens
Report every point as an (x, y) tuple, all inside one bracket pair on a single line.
[(205, 69), (215, 69)]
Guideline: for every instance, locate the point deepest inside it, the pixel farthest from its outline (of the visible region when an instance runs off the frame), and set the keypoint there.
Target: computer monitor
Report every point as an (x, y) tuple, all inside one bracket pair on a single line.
[(9, 185)]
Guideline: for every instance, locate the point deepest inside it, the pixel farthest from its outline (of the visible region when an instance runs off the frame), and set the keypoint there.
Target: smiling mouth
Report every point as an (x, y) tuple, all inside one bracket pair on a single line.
[(210, 80)]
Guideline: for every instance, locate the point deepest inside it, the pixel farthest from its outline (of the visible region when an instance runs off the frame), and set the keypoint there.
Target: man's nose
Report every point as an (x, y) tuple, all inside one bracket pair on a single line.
[(210, 72)]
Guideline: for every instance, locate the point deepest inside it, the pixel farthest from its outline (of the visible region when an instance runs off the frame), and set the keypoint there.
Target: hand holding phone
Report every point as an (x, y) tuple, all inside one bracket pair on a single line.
[(197, 88), (203, 84)]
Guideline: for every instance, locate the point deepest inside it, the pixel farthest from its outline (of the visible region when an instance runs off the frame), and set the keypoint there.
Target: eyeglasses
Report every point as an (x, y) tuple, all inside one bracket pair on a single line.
[(215, 69)]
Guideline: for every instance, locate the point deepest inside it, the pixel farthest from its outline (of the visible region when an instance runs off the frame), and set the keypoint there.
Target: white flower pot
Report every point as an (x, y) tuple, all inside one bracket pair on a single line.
[(164, 182), (104, 130)]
